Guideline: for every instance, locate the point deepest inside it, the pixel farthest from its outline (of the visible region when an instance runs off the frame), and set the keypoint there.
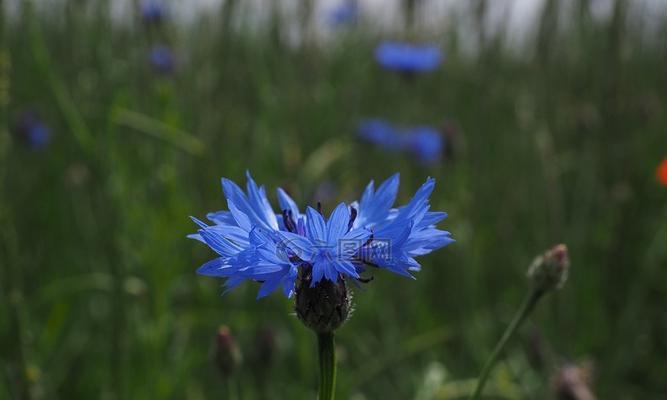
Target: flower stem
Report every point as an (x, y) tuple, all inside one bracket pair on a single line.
[(327, 365), (526, 308)]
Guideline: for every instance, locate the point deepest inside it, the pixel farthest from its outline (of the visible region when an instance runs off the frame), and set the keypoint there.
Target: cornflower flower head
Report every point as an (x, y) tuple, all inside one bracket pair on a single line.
[(312, 256), (380, 133), (152, 11), (30, 129), (344, 13), (305, 250), (162, 59), (425, 143), (408, 58)]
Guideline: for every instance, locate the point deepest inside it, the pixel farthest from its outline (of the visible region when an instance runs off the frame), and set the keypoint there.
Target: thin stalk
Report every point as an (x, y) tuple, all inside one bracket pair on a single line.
[(67, 106), (11, 277), (327, 365), (526, 308)]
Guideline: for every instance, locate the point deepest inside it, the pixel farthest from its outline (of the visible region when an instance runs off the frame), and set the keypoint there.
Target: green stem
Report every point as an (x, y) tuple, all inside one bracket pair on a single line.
[(327, 365), (526, 308), (68, 107)]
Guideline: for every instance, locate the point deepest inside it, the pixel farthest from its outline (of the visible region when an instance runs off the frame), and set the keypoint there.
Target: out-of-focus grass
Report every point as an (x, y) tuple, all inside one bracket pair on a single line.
[(99, 295)]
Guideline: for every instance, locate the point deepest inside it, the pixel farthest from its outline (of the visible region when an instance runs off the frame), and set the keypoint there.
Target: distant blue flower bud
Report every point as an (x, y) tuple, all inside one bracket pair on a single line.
[(152, 11), (425, 143), (408, 58), (380, 133), (32, 130), (162, 59), (345, 13)]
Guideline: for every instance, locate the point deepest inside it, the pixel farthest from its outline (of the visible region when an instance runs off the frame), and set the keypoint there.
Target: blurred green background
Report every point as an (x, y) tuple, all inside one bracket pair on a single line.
[(557, 141)]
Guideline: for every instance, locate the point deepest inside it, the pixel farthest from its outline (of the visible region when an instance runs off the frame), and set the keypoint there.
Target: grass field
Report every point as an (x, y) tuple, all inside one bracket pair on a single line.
[(556, 143)]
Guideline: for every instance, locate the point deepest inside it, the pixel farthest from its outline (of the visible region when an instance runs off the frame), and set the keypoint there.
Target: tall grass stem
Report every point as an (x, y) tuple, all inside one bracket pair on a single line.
[(529, 303)]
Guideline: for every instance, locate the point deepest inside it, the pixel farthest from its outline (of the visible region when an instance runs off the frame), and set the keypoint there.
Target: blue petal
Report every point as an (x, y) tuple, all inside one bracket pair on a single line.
[(315, 226), (289, 281), (431, 218), (233, 282), (215, 268), (232, 233), (286, 203), (395, 233), (196, 236), (337, 224), (318, 273), (369, 191), (260, 204), (418, 205), (323, 267), (350, 243), (346, 268), (240, 217), (374, 207), (248, 212), (268, 287), (427, 240), (199, 222), (221, 217), (299, 245)]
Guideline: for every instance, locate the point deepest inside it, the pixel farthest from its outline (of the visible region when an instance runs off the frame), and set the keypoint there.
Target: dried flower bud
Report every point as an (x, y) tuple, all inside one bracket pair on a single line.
[(324, 307), (227, 352), (265, 346), (549, 271), (572, 382), (537, 350)]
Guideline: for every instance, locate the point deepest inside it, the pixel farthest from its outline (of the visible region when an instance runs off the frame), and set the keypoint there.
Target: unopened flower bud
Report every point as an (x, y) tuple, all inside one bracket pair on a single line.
[(572, 382), (227, 352), (324, 307), (537, 350), (265, 346), (549, 270)]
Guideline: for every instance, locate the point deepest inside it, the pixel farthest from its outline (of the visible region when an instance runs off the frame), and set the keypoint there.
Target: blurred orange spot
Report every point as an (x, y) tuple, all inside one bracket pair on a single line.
[(661, 172)]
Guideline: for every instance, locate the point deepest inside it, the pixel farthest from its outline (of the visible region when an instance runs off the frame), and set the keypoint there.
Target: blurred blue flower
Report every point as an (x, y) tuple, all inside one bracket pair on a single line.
[(255, 244), (32, 130), (380, 133), (152, 11), (162, 59), (408, 58), (426, 143), (344, 13)]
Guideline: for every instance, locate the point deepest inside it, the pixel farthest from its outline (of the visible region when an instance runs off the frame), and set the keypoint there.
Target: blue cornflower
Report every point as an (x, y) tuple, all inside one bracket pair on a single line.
[(345, 13), (32, 130), (152, 11), (162, 59), (408, 58), (425, 143), (296, 250), (380, 133)]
